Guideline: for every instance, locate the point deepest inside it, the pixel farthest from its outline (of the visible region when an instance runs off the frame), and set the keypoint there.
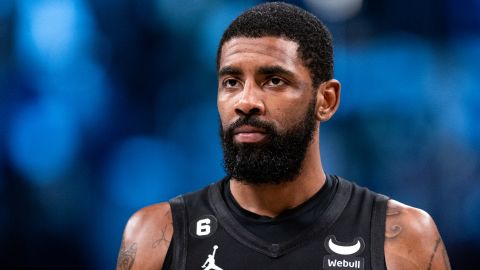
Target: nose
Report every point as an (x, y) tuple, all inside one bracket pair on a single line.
[(250, 102)]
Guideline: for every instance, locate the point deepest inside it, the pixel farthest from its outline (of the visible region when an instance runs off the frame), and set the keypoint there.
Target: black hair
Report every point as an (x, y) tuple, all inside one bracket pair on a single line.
[(279, 19)]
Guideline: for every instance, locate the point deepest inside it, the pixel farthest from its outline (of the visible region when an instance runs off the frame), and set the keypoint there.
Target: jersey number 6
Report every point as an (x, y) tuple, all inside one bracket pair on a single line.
[(203, 227)]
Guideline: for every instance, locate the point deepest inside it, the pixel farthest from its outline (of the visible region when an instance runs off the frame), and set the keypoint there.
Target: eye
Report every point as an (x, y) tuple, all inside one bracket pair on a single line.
[(230, 83), (275, 81)]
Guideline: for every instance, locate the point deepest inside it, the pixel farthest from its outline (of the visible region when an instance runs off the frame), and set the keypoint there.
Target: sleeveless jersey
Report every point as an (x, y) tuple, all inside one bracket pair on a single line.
[(349, 234)]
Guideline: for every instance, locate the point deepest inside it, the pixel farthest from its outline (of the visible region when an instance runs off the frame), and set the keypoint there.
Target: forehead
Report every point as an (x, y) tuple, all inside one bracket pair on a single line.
[(260, 51)]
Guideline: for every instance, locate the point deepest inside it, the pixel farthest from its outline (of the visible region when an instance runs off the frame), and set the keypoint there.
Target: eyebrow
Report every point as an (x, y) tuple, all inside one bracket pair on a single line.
[(267, 70), (229, 70), (275, 70)]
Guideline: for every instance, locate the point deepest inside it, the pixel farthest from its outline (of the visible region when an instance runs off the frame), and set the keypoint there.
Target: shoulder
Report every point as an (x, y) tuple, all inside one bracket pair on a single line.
[(146, 238), (412, 240)]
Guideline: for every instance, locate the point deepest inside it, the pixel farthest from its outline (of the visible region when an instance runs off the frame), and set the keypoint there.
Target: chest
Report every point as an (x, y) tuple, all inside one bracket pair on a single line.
[(347, 236)]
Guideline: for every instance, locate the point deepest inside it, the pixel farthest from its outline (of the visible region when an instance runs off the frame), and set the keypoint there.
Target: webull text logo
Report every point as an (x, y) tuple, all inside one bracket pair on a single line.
[(343, 255), (333, 263)]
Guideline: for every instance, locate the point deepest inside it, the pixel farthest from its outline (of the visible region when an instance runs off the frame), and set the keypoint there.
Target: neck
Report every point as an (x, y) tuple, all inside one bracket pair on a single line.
[(272, 199)]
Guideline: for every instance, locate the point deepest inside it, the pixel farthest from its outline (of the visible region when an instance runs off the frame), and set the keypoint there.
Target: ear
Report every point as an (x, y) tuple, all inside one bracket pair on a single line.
[(328, 99)]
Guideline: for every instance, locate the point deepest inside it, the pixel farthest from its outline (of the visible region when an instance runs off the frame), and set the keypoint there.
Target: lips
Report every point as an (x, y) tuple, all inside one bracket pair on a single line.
[(249, 134), (248, 129)]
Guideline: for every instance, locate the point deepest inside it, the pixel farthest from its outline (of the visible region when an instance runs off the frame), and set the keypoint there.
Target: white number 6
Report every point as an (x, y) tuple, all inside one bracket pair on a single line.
[(203, 227)]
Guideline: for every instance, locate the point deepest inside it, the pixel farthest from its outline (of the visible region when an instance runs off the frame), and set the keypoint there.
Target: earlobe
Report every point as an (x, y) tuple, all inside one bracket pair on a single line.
[(328, 99)]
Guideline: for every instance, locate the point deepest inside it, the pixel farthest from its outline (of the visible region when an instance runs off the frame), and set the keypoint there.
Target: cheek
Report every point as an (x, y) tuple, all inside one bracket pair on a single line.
[(288, 113), (223, 110)]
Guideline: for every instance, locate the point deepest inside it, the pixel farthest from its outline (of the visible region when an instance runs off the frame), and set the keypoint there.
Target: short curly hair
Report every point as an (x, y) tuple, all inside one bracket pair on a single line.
[(279, 19)]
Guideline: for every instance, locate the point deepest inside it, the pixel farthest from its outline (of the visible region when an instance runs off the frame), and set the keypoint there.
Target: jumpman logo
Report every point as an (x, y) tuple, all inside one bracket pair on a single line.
[(210, 262)]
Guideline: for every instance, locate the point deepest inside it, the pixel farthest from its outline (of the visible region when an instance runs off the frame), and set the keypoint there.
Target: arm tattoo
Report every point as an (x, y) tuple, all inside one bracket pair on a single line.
[(446, 261), (126, 256), (162, 239), (433, 253), (394, 230)]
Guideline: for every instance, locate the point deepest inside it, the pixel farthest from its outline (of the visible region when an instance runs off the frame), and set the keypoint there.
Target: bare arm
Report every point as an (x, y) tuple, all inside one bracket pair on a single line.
[(146, 238), (412, 240)]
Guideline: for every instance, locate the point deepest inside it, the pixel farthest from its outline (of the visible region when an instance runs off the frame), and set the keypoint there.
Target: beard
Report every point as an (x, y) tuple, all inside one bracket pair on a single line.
[(276, 159)]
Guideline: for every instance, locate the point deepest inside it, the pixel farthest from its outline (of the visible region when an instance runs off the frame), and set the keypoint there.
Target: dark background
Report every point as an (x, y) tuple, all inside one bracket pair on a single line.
[(108, 106)]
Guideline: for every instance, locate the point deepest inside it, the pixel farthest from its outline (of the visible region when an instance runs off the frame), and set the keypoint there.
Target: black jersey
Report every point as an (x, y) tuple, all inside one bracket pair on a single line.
[(347, 234)]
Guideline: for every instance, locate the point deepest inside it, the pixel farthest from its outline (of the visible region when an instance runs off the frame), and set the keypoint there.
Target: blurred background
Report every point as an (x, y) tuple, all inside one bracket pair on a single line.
[(108, 106)]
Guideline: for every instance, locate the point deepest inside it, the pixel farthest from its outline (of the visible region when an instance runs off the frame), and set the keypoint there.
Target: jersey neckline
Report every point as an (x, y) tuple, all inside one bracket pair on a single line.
[(274, 250), (320, 199)]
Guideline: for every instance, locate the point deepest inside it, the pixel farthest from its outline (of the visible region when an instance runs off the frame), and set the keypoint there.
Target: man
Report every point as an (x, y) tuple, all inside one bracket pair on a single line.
[(277, 209)]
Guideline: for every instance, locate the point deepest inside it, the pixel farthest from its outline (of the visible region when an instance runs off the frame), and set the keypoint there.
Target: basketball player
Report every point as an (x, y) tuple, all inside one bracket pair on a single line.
[(276, 208)]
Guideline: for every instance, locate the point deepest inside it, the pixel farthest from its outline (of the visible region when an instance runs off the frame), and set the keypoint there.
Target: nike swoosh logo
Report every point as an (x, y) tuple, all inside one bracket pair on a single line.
[(344, 250)]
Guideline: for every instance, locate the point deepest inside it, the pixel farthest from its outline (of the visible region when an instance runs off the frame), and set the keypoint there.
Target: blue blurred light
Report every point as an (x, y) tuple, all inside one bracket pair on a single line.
[(103, 235), (400, 74), (332, 145), (181, 16), (143, 171), (455, 99), (217, 20), (50, 32), (84, 88), (335, 11), (196, 129), (6, 7), (471, 212), (466, 80), (42, 141)]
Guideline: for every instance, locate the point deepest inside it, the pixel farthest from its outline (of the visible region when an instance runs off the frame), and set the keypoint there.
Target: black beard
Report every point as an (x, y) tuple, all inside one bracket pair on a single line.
[(277, 159)]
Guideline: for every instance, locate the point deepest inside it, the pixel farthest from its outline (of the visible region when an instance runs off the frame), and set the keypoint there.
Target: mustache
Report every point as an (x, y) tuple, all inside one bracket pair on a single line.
[(251, 121)]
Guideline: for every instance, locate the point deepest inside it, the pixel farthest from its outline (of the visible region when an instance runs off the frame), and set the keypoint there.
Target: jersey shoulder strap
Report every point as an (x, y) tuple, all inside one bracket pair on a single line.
[(179, 241), (179, 238), (378, 232)]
